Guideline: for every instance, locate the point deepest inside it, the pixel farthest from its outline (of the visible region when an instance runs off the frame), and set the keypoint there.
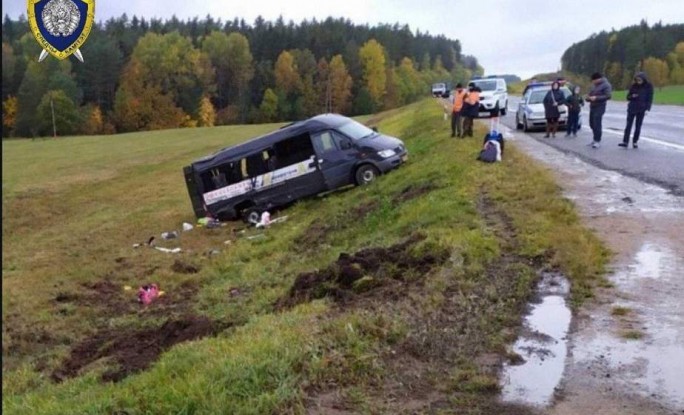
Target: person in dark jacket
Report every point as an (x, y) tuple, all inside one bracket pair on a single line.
[(601, 91), (471, 109), (553, 99), (640, 97), (575, 104)]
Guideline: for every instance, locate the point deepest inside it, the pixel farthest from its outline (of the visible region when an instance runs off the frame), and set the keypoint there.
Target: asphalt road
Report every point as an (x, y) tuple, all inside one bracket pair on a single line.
[(659, 159)]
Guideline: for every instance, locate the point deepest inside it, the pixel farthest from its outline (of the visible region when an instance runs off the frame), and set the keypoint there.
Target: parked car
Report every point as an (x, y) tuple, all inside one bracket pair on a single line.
[(530, 114), (302, 159), (494, 95), (441, 89)]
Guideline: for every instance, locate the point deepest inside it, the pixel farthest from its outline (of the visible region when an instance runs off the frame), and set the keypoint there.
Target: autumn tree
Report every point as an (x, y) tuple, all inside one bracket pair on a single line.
[(269, 106), (232, 60), (207, 114), (392, 98), (173, 65), (657, 71), (67, 118), (141, 105), (9, 115), (94, 122), (409, 82), (322, 83), (305, 103), (675, 60), (340, 85), (287, 83), (614, 73), (372, 56)]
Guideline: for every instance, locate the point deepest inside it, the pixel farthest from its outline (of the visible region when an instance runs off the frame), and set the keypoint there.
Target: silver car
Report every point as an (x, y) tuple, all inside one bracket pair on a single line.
[(530, 114)]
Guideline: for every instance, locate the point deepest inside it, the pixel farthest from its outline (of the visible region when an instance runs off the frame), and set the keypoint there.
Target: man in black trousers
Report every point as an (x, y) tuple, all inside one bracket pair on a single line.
[(640, 97), (601, 91)]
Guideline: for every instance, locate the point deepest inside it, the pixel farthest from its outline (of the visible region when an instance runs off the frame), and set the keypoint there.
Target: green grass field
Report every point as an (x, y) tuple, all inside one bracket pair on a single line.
[(443, 254), (668, 95)]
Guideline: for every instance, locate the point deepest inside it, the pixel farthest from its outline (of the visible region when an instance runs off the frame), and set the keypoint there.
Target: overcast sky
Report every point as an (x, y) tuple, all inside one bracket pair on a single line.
[(521, 37)]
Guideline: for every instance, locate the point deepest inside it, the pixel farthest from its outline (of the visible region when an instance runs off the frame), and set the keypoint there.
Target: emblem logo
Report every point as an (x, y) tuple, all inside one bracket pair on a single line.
[(61, 26)]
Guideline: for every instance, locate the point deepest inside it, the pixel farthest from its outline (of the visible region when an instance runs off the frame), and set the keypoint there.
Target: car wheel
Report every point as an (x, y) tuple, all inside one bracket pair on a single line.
[(518, 124), (366, 174), (526, 127), (251, 215), (503, 110)]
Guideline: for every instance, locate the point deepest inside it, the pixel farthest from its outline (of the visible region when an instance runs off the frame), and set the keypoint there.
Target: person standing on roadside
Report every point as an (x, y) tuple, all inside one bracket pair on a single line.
[(640, 97), (471, 109), (575, 104), (601, 91), (458, 99), (553, 99)]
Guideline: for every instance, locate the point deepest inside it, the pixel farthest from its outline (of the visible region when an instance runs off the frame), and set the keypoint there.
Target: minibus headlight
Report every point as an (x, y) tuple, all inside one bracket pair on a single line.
[(386, 153)]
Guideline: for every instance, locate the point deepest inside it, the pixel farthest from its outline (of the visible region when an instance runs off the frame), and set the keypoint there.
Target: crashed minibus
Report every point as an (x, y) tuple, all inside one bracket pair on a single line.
[(302, 159)]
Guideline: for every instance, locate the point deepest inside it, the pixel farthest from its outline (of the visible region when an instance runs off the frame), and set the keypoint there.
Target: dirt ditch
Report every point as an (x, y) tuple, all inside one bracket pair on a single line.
[(413, 191), (454, 347), (353, 275), (133, 350)]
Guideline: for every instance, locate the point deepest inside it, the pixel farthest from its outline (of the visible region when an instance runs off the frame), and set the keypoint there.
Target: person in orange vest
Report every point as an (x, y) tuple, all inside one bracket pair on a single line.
[(458, 97), (471, 109)]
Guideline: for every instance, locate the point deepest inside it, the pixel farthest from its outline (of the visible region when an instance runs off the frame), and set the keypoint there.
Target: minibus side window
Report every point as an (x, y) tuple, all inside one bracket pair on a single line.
[(221, 176), (293, 150), (323, 142)]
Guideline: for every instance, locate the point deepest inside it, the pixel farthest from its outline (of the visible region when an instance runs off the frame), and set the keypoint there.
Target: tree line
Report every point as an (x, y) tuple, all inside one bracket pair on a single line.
[(151, 74), (657, 50)]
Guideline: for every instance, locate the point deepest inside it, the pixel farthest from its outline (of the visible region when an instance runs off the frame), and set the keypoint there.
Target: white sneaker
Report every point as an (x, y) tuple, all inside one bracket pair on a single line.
[(595, 144)]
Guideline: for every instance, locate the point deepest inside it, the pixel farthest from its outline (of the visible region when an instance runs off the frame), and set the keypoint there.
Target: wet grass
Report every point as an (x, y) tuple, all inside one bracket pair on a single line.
[(620, 311), (632, 334), (72, 208)]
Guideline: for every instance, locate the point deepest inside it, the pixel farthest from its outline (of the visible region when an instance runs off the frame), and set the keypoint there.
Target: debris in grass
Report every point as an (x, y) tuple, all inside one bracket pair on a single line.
[(257, 236), (147, 293), (208, 222), (265, 220), (187, 226), (169, 235), (167, 250)]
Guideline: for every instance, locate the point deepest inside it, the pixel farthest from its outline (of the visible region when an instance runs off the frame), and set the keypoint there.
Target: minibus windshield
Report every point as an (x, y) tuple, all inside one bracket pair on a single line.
[(355, 130)]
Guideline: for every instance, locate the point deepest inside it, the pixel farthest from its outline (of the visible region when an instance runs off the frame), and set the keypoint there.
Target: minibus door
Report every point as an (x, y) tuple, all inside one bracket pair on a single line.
[(336, 158)]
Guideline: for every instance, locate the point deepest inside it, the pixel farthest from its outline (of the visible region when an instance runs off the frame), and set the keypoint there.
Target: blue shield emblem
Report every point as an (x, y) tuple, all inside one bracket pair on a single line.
[(61, 26)]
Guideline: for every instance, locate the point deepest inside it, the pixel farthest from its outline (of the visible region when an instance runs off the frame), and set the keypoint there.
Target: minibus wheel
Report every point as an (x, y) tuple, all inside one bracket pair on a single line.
[(251, 215), (366, 174)]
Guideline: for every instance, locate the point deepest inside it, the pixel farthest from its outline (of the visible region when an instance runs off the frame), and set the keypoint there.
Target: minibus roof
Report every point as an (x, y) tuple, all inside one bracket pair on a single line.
[(239, 151)]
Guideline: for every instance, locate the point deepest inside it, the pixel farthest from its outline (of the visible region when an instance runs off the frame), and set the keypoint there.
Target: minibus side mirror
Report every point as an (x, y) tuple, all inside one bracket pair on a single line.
[(375, 129), (345, 144)]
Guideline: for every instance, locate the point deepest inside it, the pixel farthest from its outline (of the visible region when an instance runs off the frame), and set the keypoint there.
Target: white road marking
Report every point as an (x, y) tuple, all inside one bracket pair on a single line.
[(651, 140)]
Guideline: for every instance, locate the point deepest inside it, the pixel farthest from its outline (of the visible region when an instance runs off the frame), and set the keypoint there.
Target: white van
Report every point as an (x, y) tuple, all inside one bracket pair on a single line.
[(494, 95)]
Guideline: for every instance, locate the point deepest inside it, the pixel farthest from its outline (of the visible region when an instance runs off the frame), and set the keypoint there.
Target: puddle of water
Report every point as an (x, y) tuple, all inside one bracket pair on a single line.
[(654, 365), (543, 345), (648, 261)]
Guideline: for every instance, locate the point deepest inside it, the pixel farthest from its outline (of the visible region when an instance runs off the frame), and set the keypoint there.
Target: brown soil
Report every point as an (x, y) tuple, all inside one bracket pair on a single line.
[(184, 268), (413, 191), (133, 350), (107, 297), (362, 272)]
